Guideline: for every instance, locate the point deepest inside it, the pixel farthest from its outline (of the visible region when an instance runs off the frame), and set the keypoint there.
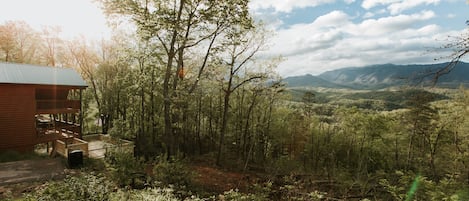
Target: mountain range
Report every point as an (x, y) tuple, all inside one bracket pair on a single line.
[(383, 76)]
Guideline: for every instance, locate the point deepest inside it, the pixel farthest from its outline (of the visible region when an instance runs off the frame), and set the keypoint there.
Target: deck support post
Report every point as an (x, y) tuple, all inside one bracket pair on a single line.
[(80, 135)]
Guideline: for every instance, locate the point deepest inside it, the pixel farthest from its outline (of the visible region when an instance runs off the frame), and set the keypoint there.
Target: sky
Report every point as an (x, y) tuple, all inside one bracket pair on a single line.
[(75, 17), (312, 36)]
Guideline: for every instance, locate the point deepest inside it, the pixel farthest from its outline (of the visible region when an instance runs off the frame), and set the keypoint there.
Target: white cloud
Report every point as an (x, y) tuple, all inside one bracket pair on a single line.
[(335, 41), (368, 4), (451, 15), (397, 6), (389, 24), (333, 19), (368, 15), (303, 38), (286, 6)]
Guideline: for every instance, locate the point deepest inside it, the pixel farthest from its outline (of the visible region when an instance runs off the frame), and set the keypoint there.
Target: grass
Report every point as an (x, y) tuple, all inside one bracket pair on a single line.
[(9, 156)]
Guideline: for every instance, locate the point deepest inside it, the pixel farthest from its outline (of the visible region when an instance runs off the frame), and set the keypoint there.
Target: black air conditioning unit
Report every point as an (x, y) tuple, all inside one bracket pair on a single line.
[(75, 159)]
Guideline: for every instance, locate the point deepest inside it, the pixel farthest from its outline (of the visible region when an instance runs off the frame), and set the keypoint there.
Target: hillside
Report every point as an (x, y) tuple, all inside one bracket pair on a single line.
[(382, 76), (311, 80)]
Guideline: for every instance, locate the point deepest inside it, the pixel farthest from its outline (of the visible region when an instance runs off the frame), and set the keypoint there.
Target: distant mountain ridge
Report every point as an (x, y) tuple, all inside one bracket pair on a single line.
[(382, 76)]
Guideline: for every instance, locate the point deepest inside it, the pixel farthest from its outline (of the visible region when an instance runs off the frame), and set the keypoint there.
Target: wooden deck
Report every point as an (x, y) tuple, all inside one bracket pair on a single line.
[(98, 145), (53, 135), (64, 147)]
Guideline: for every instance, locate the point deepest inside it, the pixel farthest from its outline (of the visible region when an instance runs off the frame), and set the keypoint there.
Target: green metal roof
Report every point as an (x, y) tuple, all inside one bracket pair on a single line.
[(14, 73)]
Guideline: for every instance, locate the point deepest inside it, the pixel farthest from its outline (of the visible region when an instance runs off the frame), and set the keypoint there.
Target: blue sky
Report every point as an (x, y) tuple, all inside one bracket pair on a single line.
[(313, 36)]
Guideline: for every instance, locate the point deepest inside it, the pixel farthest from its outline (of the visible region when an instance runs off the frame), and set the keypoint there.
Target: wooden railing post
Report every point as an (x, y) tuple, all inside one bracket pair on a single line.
[(81, 116)]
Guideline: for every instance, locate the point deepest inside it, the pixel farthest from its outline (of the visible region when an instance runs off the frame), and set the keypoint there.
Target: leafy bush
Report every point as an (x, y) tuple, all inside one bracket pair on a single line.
[(121, 130), (264, 192), (83, 187), (150, 194), (172, 173), (125, 169), (235, 195), (284, 166), (153, 194), (6, 195), (409, 186)]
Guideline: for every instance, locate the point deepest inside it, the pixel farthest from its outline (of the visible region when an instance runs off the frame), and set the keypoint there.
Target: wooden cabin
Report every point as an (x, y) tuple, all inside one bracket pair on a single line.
[(38, 105)]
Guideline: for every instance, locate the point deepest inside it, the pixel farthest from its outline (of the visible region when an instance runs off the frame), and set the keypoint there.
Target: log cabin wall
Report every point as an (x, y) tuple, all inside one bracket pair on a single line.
[(17, 123), (35, 106)]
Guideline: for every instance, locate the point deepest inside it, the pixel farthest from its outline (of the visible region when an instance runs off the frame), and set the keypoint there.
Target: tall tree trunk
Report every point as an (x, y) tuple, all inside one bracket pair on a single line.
[(224, 124), (246, 148), (198, 124), (152, 102), (433, 149), (410, 148), (170, 139), (396, 152)]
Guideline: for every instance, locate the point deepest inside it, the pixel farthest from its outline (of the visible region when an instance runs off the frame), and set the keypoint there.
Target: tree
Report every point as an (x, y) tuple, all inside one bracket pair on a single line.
[(19, 43), (176, 27), (7, 41), (460, 47), (52, 44), (242, 44), (85, 56), (420, 119), (308, 99)]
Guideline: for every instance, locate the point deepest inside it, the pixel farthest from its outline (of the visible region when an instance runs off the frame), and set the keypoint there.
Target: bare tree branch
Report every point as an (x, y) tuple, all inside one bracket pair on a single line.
[(246, 81)]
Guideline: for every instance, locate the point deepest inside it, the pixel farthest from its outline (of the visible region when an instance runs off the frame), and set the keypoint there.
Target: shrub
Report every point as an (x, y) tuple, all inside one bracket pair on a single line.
[(84, 187), (412, 186), (235, 195), (172, 173), (284, 166), (125, 169), (150, 194), (121, 130)]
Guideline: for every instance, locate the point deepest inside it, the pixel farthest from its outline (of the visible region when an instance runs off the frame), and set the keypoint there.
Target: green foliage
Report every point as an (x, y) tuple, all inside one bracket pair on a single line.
[(298, 94), (284, 165), (172, 172), (98, 188), (291, 190), (121, 130), (7, 195), (125, 169), (79, 188), (149, 194), (374, 100), (9, 156), (409, 186), (235, 195)]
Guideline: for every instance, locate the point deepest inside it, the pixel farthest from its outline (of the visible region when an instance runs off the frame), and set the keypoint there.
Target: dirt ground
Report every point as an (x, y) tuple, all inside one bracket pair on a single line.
[(217, 180), (20, 176)]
